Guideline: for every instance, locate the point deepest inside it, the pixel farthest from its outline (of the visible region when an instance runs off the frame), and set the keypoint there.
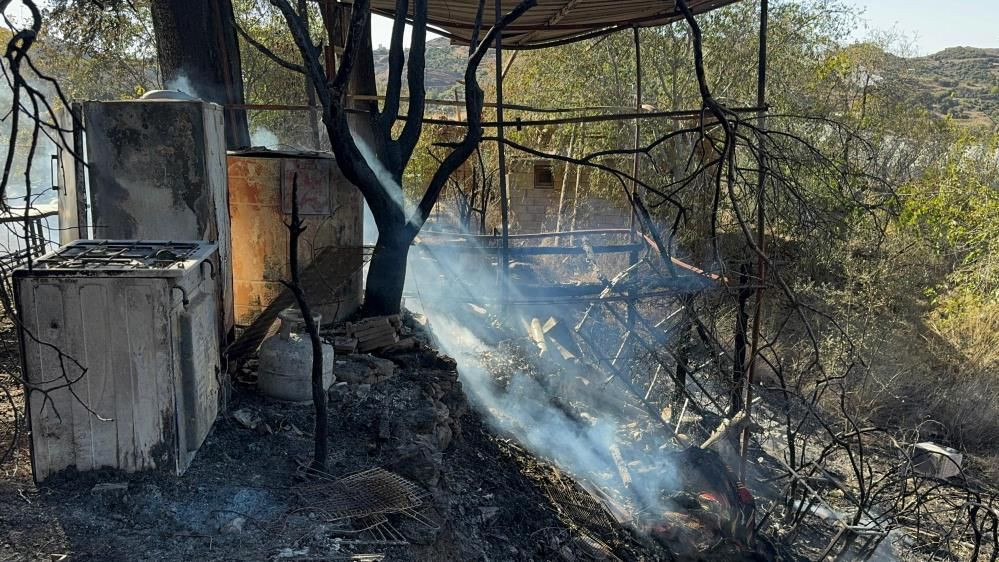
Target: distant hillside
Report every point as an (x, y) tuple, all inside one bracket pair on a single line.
[(962, 82), (445, 66)]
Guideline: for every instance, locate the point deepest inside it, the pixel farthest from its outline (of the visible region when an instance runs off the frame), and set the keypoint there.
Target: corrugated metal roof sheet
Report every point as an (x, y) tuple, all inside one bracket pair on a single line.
[(551, 20)]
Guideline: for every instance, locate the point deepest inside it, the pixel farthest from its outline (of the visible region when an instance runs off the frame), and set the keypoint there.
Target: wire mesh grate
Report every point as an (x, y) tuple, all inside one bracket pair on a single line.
[(364, 501), (370, 492)]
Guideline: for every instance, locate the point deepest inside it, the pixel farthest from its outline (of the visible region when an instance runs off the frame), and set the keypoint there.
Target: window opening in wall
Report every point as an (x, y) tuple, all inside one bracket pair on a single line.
[(544, 177)]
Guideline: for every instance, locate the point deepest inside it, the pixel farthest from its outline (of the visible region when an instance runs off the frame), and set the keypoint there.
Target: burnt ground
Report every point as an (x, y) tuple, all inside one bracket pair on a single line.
[(245, 496), (168, 518)]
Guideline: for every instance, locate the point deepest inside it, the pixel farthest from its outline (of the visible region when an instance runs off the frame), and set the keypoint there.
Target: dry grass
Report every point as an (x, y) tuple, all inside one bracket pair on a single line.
[(944, 387), (974, 335), (965, 397)]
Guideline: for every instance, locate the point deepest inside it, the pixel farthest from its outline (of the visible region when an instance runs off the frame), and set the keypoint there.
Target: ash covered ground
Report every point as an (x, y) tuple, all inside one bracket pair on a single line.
[(245, 496)]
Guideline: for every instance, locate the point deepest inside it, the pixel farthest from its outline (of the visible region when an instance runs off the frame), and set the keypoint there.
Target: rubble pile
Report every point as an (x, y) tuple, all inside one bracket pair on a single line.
[(380, 333), (413, 433)]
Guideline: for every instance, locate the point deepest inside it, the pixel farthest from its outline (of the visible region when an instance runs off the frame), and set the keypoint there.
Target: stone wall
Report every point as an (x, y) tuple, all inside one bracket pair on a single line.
[(534, 209)]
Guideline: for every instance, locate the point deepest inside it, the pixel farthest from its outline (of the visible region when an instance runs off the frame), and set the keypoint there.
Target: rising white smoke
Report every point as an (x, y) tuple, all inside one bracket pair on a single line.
[(370, 227), (389, 185), (262, 136), (182, 84), (524, 407)]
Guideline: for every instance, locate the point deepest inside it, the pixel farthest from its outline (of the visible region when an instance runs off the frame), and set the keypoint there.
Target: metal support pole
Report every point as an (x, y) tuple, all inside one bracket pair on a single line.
[(637, 161), (504, 264), (761, 265)]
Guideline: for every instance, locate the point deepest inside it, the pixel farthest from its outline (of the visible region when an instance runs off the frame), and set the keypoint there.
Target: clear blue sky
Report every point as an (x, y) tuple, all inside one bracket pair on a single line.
[(935, 25)]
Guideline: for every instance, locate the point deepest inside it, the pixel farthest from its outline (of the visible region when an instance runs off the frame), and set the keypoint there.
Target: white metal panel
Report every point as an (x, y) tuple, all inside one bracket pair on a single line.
[(147, 330), (198, 368), (66, 179), (119, 411), (95, 432), (50, 407)]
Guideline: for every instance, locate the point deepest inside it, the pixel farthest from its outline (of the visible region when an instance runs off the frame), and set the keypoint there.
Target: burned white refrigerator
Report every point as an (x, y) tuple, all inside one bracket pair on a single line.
[(154, 170)]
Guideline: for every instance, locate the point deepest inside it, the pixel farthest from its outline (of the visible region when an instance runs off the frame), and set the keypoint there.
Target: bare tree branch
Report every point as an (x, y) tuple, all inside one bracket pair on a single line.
[(269, 53)]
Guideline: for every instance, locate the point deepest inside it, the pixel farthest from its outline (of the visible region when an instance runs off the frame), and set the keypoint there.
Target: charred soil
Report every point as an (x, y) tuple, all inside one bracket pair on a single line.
[(247, 497)]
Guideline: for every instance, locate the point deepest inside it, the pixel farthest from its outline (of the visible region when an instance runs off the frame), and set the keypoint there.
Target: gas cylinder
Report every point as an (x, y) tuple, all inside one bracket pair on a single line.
[(285, 360)]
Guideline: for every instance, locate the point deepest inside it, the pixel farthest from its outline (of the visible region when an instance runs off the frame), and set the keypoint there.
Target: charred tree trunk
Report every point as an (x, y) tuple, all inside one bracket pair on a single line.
[(365, 164), (741, 339), (386, 274), (196, 41)]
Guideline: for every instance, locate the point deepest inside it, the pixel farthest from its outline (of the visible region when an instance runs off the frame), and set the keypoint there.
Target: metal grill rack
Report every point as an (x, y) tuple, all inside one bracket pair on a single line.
[(581, 512), (371, 492), (119, 255), (363, 500)]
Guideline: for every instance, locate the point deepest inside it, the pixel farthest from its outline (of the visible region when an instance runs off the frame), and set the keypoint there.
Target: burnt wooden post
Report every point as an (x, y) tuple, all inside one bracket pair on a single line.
[(682, 370), (636, 161), (79, 171), (310, 93), (321, 433), (504, 265)]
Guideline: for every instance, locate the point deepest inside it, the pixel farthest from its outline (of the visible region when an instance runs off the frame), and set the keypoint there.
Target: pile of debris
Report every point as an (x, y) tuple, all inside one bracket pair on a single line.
[(675, 492), (554, 340), (428, 402)]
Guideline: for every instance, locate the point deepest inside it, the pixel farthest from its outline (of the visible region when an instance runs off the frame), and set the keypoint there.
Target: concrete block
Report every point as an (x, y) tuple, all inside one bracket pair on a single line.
[(936, 461)]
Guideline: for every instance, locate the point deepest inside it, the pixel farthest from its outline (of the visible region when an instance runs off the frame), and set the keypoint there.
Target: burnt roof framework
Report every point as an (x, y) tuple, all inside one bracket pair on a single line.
[(551, 22)]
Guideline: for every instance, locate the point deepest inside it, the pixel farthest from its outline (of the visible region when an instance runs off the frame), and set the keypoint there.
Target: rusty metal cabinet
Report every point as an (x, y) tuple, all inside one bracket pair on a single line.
[(260, 205)]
